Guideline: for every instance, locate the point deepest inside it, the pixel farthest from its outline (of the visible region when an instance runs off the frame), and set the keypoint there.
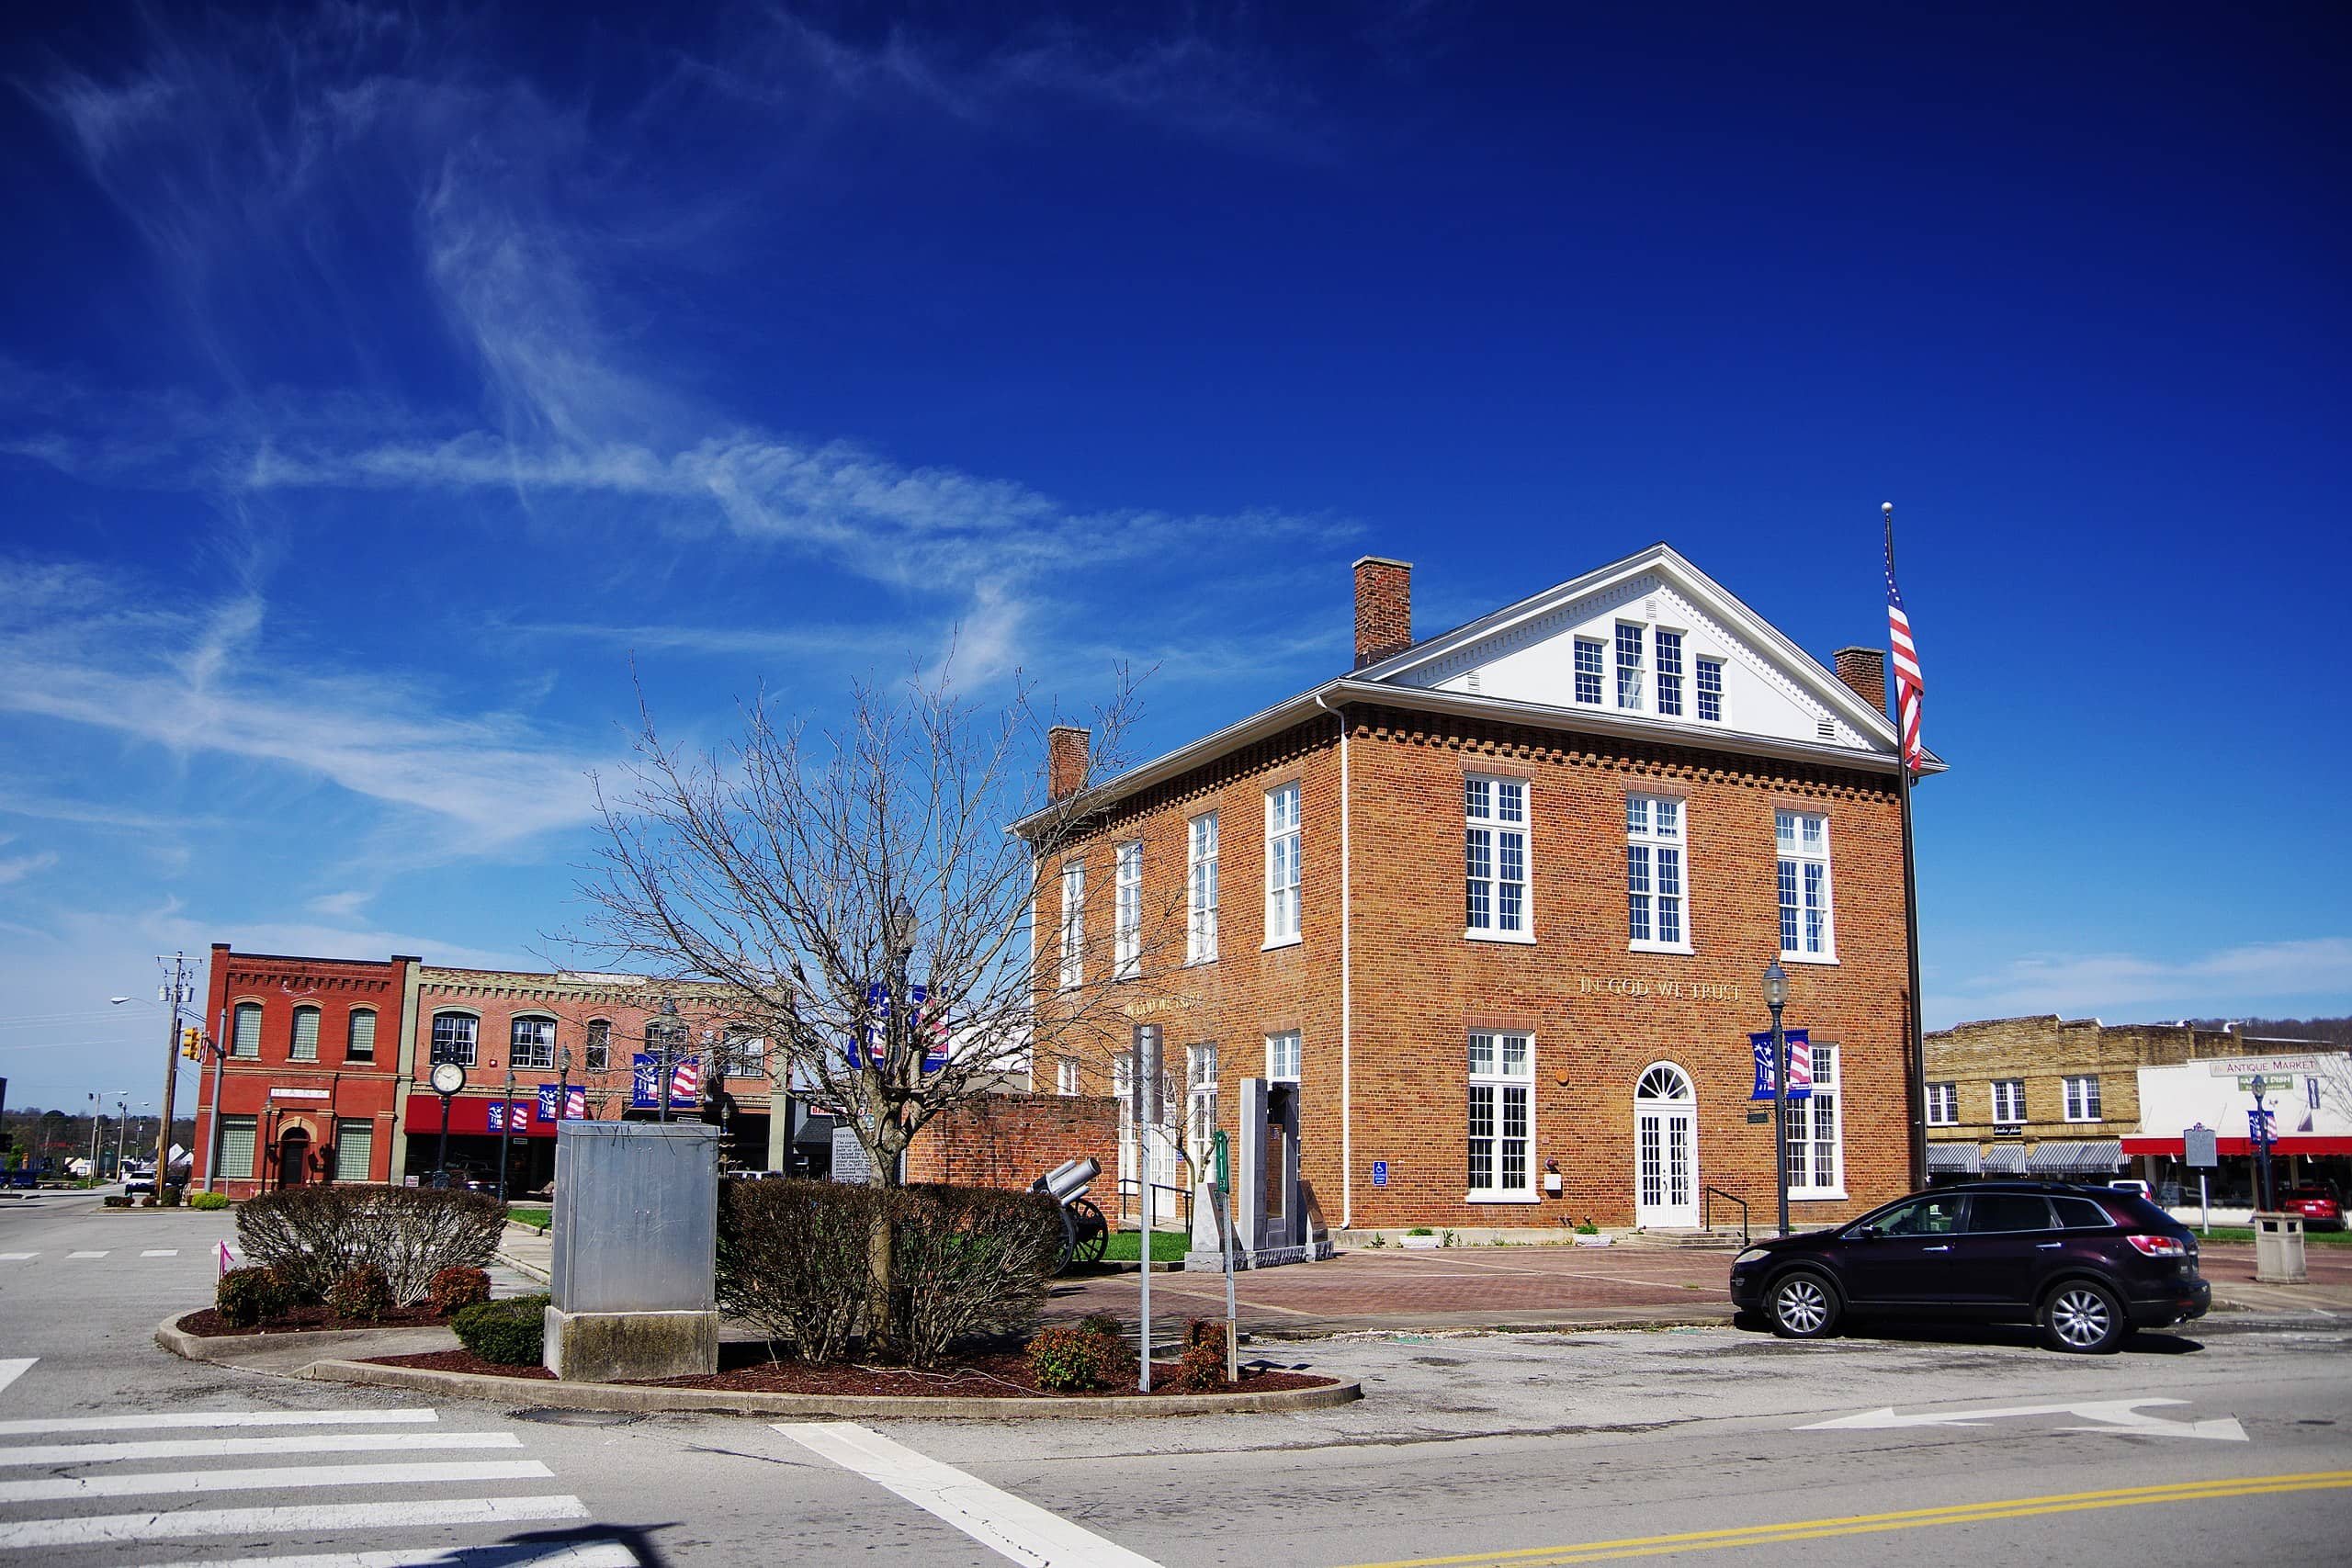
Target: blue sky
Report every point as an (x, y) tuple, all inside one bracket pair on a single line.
[(374, 382)]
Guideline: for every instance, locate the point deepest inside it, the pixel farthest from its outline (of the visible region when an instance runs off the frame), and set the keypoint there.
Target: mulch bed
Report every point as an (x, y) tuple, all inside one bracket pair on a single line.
[(996, 1375), (207, 1325)]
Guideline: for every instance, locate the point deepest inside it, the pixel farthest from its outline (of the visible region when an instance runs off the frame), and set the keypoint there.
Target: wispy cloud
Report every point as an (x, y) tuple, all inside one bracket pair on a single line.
[(202, 683), (16, 868), (2254, 978)]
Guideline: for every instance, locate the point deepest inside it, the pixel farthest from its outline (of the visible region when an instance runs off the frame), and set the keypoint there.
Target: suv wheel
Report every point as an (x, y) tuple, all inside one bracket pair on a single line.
[(2083, 1316), (1802, 1305)]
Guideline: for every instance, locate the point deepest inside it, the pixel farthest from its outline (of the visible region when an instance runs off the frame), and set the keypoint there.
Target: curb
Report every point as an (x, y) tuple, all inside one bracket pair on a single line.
[(229, 1348), (528, 1270), (642, 1399)]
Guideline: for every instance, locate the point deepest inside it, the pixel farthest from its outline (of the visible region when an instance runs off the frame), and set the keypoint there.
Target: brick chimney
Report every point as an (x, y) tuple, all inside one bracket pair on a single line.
[(1864, 668), (1384, 608), (1064, 761)]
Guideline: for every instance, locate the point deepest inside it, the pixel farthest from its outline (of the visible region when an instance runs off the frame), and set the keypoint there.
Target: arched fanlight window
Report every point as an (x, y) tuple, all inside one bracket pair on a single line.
[(1662, 1082)]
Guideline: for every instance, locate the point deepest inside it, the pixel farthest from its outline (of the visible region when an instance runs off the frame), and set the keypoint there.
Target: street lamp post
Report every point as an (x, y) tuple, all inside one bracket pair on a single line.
[(665, 1056), (2261, 1130), (448, 1077), (1776, 996)]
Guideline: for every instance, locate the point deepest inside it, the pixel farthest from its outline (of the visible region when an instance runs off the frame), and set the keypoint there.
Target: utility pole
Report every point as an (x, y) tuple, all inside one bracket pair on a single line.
[(176, 991)]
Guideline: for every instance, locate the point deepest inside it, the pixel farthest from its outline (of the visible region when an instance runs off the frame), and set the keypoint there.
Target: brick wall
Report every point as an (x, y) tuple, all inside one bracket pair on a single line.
[(2044, 1049), (1010, 1140), (1599, 1013)]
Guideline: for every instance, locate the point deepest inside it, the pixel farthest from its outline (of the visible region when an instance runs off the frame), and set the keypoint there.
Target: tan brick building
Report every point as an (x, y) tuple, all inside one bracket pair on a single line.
[(1498, 903)]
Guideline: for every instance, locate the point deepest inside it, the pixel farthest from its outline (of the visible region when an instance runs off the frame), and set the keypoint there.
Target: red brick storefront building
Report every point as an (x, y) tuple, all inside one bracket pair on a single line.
[(1498, 903)]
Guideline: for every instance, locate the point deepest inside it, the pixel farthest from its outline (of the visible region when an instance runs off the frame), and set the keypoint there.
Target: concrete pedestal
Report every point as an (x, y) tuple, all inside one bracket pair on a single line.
[(617, 1347)]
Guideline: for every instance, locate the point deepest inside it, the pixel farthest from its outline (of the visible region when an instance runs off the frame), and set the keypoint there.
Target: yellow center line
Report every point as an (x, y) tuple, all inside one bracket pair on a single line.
[(1870, 1524)]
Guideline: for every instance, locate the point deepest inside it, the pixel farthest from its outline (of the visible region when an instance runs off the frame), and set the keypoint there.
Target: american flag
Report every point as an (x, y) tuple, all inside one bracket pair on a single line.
[(686, 1080), (1907, 683)]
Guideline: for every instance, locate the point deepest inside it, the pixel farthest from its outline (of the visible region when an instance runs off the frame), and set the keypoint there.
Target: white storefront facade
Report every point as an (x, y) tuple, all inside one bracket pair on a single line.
[(2309, 1096)]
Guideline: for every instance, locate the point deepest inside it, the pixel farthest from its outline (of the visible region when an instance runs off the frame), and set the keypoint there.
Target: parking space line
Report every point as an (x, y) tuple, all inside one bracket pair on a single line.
[(101, 1253), (162, 1252)]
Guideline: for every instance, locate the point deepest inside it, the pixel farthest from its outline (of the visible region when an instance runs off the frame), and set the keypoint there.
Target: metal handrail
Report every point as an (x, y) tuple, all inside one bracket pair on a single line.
[(1704, 1222), (1131, 1199)]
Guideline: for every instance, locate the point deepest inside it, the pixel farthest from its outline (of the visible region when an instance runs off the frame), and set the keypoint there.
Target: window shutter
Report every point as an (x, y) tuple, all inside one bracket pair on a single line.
[(354, 1150), (237, 1145)]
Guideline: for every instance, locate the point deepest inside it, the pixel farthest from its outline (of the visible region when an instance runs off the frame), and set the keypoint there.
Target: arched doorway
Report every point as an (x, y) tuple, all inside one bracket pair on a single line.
[(1666, 1148), (293, 1157)]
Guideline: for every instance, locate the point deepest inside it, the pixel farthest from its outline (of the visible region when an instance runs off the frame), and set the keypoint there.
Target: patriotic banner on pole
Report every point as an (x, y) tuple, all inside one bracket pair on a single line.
[(497, 1117), (685, 1081), (1800, 1048), (575, 1104), (929, 1023), (1908, 685)]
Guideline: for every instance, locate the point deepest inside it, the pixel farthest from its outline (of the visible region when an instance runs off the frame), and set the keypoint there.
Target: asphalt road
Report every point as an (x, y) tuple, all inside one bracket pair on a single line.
[(2225, 1446)]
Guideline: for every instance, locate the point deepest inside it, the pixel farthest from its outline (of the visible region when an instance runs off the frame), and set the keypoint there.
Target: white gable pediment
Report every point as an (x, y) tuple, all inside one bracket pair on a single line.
[(1529, 653)]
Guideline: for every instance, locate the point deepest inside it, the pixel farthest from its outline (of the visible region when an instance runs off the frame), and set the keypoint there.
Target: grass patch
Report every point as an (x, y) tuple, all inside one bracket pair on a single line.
[(2245, 1233), (1126, 1246), (536, 1218)]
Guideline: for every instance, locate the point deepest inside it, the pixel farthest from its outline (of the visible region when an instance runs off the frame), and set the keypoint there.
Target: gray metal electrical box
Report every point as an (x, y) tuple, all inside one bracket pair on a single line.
[(636, 1216)]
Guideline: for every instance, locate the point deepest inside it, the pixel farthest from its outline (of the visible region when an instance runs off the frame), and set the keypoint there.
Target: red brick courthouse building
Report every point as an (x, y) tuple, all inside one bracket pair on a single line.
[(1498, 904)]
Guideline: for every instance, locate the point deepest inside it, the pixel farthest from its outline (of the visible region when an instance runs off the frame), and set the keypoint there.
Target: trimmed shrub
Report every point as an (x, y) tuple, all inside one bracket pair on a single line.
[(169, 1198), (245, 1297), (454, 1290), (116, 1200), (1201, 1368), (316, 1235), (363, 1293), (970, 1262), (1070, 1358), (512, 1333), (207, 1200), (796, 1259)]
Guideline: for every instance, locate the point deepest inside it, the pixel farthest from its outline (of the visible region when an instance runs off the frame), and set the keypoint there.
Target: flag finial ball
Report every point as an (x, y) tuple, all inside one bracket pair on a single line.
[(1887, 507)]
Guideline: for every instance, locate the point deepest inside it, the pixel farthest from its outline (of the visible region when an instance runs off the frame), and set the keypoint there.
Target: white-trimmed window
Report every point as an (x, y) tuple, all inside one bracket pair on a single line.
[(1816, 1158), (1200, 1105), (1592, 654), (1073, 924), (305, 1045), (600, 1044), (1127, 909), (1495, 856), (531, 1043), (453, 1038), (1806, 931), (2081, 1100), (2008, 1102), (1281, 865), (1200, 889), (1670, 672), (1065, 1076), (1629, 666), (1711, 690), (246, 1041), (237, 1146), (1943, 1105), (354, 1149), (1654, 873), (359, 1039), (1281, 1057), (1502, 1116)]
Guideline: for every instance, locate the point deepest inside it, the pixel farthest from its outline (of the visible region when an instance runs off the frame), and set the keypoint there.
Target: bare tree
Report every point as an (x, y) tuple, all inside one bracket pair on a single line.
[(856, 898)]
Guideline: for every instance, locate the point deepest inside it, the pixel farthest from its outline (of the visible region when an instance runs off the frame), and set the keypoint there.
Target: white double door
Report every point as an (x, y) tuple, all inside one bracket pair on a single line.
[(1665, 1163)]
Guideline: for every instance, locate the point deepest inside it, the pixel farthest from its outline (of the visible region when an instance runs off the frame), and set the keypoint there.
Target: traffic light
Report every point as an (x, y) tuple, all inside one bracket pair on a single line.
[(192, 1042)]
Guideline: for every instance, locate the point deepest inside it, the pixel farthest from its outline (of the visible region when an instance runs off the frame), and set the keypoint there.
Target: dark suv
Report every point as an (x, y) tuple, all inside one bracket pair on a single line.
[(2086, 1265)]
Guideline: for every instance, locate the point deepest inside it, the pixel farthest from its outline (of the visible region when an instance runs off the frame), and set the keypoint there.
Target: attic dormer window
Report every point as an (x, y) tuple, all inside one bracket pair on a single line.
[(1629, 667), (1669, 674), (1590, 654)]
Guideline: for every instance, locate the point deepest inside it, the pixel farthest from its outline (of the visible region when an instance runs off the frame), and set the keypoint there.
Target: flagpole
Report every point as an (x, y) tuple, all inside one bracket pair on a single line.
[(1915, 1089)]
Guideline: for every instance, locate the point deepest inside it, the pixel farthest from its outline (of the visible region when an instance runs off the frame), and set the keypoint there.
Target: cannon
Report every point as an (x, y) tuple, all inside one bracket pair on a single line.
[(1085, 1234)]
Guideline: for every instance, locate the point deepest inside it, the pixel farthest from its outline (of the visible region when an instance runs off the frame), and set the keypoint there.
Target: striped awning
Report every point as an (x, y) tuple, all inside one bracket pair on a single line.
[(2100, 1158), (2005, 1159), (1955, 1159)]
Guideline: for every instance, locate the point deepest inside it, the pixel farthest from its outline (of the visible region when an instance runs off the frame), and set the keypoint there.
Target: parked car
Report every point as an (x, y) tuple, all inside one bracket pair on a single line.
[(2129, 1185), (2086, 1265), (138, 1178), (2317, 1204)]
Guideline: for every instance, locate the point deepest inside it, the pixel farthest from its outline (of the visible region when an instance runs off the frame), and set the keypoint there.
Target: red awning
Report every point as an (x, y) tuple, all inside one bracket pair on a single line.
[(2280, 1148), (470, 1113)]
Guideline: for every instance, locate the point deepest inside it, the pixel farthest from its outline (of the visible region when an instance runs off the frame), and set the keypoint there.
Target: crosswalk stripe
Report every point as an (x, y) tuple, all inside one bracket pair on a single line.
[(166, 1420), (119, 1485), (314, 1520), (570, 1554), (101, 1253), (205, 1447), (1010, 1526), (162, 1252)]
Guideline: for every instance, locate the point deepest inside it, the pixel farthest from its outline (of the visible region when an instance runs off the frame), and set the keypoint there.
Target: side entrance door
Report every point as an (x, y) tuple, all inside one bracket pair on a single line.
[(1665, 1150)]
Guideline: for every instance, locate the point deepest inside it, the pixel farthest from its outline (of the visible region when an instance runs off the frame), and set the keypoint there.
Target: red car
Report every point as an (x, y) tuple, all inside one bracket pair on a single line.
[(2316, 1204)]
